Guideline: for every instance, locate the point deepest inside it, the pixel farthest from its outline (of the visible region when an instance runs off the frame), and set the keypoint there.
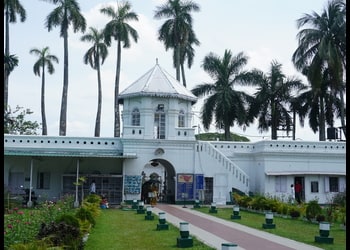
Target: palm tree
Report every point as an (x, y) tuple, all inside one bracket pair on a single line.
[(319, 105), (10, 62), (98, 52), (224, 102), (323, 46), (119, 29), (176, 29), (12, 8), (187, 53), (45, 59), (272, 99), (66, 13)]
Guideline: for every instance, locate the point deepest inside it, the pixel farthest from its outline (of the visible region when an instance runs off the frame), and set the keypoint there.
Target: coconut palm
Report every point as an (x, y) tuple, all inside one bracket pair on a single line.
[(12, 9), (176, 29), (273, 98), (187, 53), (224, 102), (95, 56), (119, 29), (319, 105), (66, 13), (322, 45), (45, 60)]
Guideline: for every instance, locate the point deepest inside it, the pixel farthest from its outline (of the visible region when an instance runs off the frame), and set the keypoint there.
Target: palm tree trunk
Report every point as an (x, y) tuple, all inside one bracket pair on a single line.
[(177, 61), (227, 133), (99, 102), (342, 119), (322, 122), (273, 121), (43, 116), (63, 115), (183, 74), (116, 94), (7, 53)]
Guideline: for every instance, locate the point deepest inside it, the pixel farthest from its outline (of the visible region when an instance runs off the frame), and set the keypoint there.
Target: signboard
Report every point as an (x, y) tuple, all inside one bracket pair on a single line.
[(132, 184), (185, 185)]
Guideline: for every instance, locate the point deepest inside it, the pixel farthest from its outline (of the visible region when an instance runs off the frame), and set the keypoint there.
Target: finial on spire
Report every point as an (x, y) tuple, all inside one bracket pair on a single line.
[(157, 61)]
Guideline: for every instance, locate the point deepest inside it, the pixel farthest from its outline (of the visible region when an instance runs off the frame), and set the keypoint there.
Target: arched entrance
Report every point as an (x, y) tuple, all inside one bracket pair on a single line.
[(158, 182)]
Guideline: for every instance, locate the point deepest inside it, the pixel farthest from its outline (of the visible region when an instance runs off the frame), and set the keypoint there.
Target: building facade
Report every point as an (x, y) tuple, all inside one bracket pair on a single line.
[(158, 157)]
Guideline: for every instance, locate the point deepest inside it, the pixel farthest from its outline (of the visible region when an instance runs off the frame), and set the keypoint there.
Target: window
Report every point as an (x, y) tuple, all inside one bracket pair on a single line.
[(333, 184), (181, 121), (135, 117), (43, 181), (281, 184), (159, 122), (314, 187)]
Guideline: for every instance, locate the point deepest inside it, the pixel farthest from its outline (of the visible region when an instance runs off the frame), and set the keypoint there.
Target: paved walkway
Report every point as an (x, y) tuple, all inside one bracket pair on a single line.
[(214, 231)]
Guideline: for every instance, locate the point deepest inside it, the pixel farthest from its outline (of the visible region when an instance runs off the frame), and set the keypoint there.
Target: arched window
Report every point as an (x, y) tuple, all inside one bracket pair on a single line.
[(181, 120), (159, 122), (135, 117)]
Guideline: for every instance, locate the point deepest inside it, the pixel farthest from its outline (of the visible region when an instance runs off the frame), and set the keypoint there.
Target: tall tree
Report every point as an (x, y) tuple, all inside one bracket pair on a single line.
[(176, 29), (187, 52), (16, 122), (66, 13), (224, 103), (95, 56), (12, 8), (10, 62), (319, 105), (45, 60), (119, 29), (322, 45), (273, 98)]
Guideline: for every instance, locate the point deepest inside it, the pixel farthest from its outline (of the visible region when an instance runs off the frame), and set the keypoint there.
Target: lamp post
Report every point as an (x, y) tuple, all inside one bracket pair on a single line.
[(269, 221), (324, 233), (140, 209), (149, 215), (162, 222), (235, 214), (213, 208), (184, 240)]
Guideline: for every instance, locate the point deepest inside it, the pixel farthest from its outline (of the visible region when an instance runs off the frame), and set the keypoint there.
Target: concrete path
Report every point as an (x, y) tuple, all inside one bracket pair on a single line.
[(214, 231)]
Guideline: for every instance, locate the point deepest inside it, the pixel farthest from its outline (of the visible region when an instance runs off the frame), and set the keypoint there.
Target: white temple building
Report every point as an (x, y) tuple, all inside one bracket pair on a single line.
[(158, 155)]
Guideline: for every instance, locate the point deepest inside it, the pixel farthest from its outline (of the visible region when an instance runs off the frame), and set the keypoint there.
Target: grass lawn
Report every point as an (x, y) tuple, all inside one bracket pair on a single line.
[(295, 229), (125, 229)]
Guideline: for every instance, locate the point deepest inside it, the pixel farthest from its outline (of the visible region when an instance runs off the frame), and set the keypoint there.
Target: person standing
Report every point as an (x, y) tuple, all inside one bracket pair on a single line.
[(93, 187), (297, 189), (292, 193)]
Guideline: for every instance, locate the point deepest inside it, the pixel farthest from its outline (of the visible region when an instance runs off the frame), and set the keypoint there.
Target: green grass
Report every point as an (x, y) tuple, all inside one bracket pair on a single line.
[(125, 229), (295, 229)]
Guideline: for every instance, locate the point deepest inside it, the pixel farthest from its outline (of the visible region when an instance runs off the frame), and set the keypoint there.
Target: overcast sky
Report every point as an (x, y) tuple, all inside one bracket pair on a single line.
[(263, 29)]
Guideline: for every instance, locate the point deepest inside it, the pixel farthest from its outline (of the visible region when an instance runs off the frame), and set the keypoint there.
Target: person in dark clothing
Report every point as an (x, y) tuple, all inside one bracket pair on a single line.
[(298, 189)]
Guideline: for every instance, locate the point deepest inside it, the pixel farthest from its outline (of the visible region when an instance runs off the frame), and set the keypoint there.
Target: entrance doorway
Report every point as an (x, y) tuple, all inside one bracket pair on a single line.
[(158, 178), (299, 180)]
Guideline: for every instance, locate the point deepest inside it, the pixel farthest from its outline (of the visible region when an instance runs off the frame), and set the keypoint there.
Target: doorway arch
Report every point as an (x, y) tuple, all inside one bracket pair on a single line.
[(158, 177)]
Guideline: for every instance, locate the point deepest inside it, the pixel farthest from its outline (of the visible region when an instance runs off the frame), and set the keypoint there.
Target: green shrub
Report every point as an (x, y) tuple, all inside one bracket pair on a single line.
[(313, 209), (68, 219), (61, 234), (294, 212), (85, 214)]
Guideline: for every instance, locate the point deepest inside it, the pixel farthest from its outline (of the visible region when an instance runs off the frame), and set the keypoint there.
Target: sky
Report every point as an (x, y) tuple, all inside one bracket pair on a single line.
[(263, 30)]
